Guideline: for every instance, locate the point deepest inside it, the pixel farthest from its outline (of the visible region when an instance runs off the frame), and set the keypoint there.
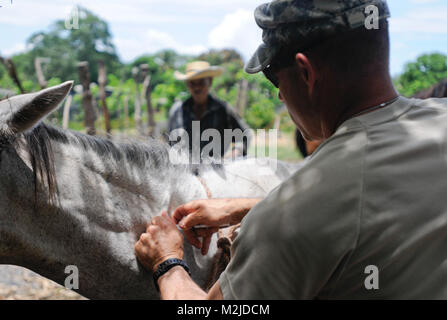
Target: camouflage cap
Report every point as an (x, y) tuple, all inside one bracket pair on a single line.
[(306, 22)]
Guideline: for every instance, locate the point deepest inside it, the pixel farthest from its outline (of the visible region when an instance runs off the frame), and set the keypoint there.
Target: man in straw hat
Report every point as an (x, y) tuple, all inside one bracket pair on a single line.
[(366, 216), (201, 106)]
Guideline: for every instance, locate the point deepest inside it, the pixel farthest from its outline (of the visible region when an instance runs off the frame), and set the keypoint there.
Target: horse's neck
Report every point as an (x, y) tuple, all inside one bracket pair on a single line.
[(103, 206), (120, 187)]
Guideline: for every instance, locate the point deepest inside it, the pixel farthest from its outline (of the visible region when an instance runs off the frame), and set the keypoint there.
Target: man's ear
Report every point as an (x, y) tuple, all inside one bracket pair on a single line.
[(21, 113), (307, 70)]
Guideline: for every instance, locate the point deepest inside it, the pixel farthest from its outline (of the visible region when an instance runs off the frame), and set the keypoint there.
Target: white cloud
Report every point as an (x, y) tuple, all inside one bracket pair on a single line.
[(156, 40), (237, 30), (16, 48), (152, 41)]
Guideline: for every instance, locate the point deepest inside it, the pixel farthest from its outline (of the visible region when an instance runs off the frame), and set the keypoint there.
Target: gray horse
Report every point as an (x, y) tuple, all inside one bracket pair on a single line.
[(70, 199)]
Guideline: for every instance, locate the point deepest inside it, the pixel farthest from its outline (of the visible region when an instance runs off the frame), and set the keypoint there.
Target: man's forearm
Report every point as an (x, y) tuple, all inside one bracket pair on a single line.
[(240, 207), (176, 284)]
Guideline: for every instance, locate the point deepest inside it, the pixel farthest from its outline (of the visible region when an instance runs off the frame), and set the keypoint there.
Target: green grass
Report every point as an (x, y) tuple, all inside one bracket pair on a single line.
[(285, 150), (290, 154)]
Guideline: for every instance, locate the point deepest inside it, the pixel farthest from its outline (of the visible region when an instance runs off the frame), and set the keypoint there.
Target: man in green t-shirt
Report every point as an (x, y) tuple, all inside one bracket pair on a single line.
[(365, 217)]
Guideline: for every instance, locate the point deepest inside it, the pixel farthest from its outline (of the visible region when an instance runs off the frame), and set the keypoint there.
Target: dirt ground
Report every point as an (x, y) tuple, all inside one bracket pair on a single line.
[(18, 283)]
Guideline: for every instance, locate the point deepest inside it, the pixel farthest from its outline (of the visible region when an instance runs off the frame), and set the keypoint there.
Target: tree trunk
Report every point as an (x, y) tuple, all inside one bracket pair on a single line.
[(39, 72), (9, 65), (87, 103), (102, 80)]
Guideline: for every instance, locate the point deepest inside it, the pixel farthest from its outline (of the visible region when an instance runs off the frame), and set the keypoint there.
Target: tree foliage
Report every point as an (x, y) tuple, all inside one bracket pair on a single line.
[(426, 71), (66, 47)]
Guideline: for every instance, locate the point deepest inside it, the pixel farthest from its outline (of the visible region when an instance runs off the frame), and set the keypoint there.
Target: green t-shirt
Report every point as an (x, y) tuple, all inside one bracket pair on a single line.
[(374, 194)]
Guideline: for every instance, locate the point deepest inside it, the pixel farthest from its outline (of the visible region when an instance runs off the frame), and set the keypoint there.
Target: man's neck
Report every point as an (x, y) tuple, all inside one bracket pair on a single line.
[(365, 101)]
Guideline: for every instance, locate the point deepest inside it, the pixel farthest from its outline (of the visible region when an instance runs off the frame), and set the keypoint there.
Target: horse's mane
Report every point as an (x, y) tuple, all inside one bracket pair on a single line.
[(153, 155)]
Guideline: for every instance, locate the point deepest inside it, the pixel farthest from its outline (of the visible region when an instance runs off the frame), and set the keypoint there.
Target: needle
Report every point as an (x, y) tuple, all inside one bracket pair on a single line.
[(201, 226)]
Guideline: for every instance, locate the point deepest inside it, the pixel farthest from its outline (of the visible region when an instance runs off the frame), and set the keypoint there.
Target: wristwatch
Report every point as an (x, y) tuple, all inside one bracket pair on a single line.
[(166, 266)]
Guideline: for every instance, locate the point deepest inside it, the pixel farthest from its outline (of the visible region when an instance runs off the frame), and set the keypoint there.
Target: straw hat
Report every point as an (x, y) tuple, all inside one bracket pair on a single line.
[(198, 70)]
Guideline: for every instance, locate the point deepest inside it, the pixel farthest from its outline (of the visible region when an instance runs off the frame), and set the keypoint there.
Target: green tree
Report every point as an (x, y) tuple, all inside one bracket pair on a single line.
[(2, 70), (231, 61), (5, 80), (220, 57), (165, 88), (169, 59), (263, 101), (168, 91), (65, 47), (428, 70)]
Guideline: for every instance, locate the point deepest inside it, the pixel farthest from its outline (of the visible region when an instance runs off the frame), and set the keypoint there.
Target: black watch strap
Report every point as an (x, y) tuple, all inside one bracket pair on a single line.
[(166, 266)]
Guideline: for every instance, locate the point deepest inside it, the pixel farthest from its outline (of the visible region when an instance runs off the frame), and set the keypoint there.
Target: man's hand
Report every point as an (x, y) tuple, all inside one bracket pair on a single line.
[(161, 241), (212, 213)]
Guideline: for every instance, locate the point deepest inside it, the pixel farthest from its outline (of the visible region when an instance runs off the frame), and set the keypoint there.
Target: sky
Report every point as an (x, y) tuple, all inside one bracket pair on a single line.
[(195, 26)]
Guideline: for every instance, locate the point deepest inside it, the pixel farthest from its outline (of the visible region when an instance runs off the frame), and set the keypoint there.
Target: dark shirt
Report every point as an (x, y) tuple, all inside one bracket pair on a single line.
[(218, 115)]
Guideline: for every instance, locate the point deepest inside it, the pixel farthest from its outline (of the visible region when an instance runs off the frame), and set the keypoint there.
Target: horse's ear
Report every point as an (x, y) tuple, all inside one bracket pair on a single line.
[(21, 113)]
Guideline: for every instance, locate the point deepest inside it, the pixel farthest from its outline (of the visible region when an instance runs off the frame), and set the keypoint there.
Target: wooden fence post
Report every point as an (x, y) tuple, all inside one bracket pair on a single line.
[(102, 80), (147, 93), (39, 72), (137, 112), (126, 113), (242, 97), (66, 116), (87, 103)]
